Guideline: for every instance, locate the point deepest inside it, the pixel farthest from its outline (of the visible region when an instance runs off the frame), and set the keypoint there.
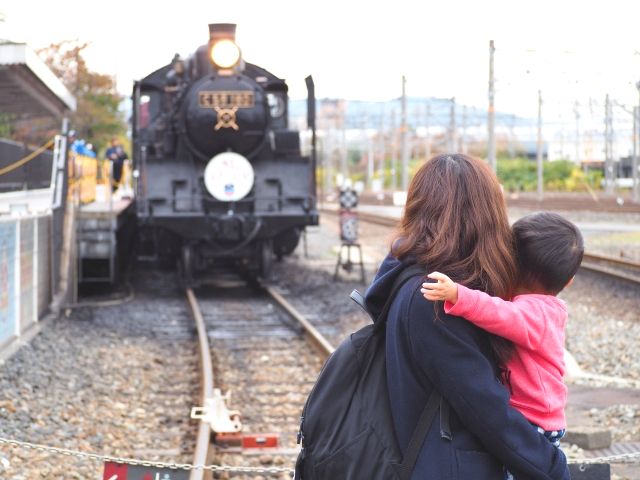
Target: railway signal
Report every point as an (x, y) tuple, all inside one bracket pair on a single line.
[(348, 219)]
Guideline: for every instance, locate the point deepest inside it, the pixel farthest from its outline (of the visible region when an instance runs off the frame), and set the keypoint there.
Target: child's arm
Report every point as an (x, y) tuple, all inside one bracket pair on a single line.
[(521, 321)]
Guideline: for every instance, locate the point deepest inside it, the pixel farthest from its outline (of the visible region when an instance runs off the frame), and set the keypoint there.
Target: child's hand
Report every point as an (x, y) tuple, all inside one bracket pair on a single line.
[(445, 289)]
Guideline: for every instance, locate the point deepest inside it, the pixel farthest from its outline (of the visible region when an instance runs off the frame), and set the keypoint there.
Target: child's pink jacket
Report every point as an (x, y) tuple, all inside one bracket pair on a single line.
[(535, 324)]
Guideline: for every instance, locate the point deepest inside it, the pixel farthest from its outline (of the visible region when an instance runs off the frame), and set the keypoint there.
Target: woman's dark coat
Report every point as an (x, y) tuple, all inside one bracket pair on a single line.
[(452, 355)]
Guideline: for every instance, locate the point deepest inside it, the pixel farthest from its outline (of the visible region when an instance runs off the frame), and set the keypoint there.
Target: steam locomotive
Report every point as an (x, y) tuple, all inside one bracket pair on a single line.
[(219, 176)]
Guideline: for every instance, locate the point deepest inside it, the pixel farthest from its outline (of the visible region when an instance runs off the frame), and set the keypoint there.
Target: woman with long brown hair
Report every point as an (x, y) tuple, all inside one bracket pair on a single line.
[(455, 221)]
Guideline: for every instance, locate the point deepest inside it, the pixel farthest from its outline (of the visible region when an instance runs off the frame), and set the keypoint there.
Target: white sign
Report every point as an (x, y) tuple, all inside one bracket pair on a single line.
[(228, 177)]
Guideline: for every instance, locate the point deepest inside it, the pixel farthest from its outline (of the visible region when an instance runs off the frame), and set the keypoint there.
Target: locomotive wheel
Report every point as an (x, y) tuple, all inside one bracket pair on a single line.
[(266, 259), (286, 242), (186, 265)]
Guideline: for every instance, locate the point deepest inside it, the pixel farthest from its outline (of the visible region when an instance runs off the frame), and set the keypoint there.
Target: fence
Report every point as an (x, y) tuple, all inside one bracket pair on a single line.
[(25, 273)]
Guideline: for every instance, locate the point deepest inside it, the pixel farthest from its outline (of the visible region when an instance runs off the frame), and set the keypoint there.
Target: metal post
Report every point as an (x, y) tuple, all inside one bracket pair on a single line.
[(453, 139), (636, 187), (381, 147), (464, 129), (576, 111), (327, 152), (344, 152), (608, 147), (403, 136), (427, 138), (491, 139), (394, 152), (512, 137), (539, 149), (634, 158), (369, 142)]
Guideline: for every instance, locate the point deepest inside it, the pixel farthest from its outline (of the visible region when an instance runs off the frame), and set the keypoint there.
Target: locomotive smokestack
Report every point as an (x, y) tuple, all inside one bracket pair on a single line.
[(220, 31)]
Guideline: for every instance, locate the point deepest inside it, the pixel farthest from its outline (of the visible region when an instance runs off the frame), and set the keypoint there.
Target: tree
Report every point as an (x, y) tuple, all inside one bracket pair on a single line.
[(96, 118)]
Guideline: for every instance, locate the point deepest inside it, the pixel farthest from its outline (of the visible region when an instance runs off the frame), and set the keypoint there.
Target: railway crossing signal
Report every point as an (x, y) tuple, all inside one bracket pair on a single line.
[(348, 219), (348, 199)]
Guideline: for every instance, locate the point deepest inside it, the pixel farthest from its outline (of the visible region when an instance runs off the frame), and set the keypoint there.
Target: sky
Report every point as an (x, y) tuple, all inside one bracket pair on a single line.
[(570, 50)]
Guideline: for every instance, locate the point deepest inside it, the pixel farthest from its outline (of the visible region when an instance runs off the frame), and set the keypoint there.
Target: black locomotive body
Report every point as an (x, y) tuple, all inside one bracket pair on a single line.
[(220, 177)]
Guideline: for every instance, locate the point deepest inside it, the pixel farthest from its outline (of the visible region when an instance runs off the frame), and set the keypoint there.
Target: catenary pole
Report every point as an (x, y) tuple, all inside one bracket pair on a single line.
[(464, 147), (539, 149), (576, 111), (381, 152), (427, 138), (636, 187), (404, 136), (370, 152), (491, 138), (394, 152), (634, 158), (608, 146), (453, 138)]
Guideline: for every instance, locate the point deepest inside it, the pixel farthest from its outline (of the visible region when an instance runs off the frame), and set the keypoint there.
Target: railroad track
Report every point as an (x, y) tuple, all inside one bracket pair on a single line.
[(614, 267), (567, 202), (254, 344), (611, 266)]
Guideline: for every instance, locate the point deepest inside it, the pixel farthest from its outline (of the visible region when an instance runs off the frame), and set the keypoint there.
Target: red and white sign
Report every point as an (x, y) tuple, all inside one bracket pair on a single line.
[(123, 471)]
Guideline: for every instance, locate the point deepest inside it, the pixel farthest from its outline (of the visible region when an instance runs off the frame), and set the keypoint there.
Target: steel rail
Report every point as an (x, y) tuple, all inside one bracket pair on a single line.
[(314, 335), (614, 260), (587, 264), (206, 374), (602, 269)]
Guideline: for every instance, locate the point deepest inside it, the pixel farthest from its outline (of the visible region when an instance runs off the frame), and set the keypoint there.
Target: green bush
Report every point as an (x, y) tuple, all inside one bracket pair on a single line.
[(521, 175)]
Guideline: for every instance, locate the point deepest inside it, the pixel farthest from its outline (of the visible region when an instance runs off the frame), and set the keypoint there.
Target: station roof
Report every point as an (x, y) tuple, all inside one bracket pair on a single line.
[(28, 87)]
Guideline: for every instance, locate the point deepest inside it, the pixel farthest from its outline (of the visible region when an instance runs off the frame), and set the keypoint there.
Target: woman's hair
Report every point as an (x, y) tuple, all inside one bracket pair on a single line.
[(455, 221)]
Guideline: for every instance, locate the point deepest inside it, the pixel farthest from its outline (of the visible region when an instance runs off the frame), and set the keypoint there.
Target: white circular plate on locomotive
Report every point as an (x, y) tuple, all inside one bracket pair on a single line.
[(228, 177)]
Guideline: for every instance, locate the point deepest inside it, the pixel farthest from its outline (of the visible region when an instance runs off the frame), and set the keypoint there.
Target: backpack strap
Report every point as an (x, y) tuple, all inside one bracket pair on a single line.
[(406, 274), (410, 456), (435, 401)]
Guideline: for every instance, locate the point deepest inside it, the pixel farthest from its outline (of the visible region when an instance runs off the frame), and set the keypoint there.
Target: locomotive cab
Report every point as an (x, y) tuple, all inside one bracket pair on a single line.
[(220, 176)]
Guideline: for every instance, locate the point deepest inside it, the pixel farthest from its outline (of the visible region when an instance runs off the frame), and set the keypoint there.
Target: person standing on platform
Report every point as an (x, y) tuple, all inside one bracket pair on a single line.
[(117, 156)]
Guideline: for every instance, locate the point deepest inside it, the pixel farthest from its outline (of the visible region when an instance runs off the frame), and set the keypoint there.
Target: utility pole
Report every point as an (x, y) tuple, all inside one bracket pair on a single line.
[(453, 140), (512, 137), (427, 138), (539, 149), (381, 147), (636, 187), (394, 152), (464, 129), (608, 147), (404, 136), (369, 142), (344, 164), (634, 159), (576, 111), (491, 138), (328, 161)]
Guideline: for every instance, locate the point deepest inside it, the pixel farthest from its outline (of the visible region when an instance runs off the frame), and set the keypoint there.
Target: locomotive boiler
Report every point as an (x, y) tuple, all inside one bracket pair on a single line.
[(220, 177)]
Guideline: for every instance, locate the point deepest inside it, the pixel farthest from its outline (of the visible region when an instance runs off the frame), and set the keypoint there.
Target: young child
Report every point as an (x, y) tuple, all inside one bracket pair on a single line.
[(549, 250)]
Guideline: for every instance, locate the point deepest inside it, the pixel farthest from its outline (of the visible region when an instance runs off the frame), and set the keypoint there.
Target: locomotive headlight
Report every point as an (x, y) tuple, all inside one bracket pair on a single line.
[(228, 177), (225, 53)]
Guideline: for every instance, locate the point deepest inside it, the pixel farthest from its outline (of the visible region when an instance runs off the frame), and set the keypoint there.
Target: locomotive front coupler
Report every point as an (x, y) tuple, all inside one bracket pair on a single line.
[(233, 228)]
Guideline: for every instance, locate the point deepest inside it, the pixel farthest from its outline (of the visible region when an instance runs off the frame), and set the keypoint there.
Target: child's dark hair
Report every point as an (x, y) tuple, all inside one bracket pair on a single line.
[(549, 250)]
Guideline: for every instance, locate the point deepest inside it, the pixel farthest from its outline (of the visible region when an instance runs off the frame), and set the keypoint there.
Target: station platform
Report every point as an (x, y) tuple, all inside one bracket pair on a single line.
[(104, 232)]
